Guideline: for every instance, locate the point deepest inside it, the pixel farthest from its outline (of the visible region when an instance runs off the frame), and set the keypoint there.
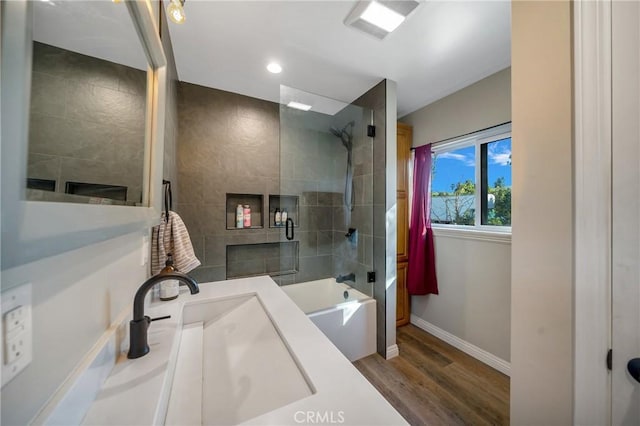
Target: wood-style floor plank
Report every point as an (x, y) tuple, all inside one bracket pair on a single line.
[(433, 383)]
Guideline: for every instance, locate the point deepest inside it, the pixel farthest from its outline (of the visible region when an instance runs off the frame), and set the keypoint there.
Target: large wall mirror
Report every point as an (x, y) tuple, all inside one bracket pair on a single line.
[(87, 105), (83, 93)]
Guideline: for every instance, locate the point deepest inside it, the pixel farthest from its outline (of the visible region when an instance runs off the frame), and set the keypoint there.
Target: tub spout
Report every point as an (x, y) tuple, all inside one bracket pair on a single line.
[(347, 277)]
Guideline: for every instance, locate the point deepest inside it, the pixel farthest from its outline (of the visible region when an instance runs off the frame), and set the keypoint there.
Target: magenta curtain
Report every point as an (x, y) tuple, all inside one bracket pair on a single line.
[(422, 264)]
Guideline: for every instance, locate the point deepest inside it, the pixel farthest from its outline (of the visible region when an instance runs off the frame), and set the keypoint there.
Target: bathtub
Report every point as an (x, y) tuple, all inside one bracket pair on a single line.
[(349, 322)]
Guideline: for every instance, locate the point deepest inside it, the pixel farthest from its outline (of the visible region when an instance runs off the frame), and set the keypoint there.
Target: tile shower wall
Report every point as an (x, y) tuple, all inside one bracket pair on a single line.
[(311, 159), (354, 254), (229, 143), (72, 137)]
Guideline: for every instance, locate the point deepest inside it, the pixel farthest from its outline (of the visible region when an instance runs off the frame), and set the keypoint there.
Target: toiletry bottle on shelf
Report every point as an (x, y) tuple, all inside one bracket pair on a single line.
[(277, 218), (239, 216), (284, 217), (247, 216)]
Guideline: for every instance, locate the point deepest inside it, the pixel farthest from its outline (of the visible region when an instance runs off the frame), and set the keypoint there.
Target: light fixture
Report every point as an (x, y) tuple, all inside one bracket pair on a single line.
[(298, 105), (380, 18), (274, 68), (175, 11)]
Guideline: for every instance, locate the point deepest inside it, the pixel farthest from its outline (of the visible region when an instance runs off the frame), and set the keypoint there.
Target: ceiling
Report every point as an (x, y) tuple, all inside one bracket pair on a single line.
[(441, 48), (100, 29)]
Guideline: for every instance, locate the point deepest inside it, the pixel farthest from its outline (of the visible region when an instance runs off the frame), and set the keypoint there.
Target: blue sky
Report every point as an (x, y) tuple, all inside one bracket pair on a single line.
[(459, 165)]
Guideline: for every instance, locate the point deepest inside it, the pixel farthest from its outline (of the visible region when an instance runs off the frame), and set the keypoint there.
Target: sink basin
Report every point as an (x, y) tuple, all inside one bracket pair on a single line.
[(232, 365)]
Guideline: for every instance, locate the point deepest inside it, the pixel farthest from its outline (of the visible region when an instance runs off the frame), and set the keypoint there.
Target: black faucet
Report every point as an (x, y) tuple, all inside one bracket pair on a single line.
[(347, 277), (138, 326)]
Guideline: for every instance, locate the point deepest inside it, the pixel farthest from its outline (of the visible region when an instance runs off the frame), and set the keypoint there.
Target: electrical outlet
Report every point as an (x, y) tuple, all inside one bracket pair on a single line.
[(16, 352), (15, 348), (14, 318)]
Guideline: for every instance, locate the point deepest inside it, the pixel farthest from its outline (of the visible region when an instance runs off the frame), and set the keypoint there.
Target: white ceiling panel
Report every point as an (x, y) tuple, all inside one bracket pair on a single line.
[(442, 47)]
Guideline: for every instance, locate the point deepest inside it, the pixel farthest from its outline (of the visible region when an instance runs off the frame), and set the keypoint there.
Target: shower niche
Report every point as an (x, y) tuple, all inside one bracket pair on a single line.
[(273, 259), (290, 203), (254, 201)]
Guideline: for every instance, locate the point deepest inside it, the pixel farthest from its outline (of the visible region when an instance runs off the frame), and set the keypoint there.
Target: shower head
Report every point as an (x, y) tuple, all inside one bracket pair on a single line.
[(344, 132), (335, 132), (345, 135)]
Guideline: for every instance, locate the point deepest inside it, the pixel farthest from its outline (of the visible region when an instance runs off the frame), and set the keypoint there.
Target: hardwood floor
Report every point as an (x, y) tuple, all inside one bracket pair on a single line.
[(433, 383)]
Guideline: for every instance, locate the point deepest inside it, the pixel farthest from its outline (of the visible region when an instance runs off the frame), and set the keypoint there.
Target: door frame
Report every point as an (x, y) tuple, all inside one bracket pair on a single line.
[(592, 211)]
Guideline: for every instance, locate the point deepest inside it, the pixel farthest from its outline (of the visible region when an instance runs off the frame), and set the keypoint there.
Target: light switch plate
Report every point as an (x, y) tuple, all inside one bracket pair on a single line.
[(16, 350)]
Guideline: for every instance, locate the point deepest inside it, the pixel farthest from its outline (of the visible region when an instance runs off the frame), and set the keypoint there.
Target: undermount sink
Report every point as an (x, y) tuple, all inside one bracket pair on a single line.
[(232, 365)]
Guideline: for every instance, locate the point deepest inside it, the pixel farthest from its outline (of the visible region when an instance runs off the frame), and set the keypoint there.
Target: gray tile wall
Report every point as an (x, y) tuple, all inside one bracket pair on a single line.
[(87, 121), (355, 254), (227, 143), (312, 161)]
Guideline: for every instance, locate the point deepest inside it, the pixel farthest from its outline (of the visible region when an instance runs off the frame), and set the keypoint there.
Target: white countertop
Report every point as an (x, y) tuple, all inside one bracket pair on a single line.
[(137, 391)]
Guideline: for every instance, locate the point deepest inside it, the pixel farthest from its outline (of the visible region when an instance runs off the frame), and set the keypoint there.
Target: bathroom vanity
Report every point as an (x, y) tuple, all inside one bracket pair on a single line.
[(240, 351)]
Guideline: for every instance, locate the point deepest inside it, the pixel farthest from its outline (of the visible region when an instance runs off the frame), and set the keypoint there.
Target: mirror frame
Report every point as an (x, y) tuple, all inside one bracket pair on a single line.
[(32, 230)]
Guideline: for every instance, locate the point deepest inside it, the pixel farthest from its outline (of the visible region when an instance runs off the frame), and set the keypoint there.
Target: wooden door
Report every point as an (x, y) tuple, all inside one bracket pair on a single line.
[(404, 138), (403, 310)]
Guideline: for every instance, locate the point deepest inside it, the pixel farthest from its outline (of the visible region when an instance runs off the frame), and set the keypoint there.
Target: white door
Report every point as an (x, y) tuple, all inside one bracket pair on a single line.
[(626, 212)]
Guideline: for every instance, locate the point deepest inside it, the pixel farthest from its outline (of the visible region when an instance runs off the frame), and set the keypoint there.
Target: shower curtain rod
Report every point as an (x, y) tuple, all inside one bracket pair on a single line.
[(461, 136)]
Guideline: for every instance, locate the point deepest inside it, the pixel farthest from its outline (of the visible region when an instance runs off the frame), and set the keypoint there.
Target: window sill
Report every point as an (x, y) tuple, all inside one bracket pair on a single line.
[(502, 237)]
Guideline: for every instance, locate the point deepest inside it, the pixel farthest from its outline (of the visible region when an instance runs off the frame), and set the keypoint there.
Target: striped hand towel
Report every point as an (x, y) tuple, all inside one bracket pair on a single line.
[(172, 237)]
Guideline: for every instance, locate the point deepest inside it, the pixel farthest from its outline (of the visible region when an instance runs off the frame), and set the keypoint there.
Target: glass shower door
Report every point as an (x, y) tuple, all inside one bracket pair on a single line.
[(322, 214)]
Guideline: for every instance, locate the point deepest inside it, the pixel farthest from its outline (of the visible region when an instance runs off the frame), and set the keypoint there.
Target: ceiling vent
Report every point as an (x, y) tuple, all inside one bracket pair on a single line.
[(380, 18)]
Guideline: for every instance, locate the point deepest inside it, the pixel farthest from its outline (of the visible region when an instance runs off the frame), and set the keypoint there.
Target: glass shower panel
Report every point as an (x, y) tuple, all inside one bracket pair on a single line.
[(324, 204)]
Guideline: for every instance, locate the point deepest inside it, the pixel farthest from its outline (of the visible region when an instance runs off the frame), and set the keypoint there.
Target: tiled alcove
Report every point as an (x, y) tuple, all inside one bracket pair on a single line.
[(275, 259)]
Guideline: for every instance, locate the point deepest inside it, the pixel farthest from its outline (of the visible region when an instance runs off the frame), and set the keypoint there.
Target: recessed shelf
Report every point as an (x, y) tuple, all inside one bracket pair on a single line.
[(290, 203), (255, 203), (274, 259)]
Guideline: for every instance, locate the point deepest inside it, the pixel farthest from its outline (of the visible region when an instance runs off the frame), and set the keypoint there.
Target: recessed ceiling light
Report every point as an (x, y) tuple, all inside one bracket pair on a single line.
[(381, 16), (274, 68), (298, 105)]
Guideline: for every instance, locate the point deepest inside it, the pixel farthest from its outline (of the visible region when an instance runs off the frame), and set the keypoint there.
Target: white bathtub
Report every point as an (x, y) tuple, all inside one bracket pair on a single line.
[(350, 323)]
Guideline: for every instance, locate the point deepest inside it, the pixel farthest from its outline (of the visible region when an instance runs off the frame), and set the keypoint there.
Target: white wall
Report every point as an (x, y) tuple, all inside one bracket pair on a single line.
[(76, 296), (542, 214), (474, 277), (474, 281), (481, 105)]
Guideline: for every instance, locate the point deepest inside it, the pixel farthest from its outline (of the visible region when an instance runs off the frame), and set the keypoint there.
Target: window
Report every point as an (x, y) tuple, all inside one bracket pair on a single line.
[(458, 166)]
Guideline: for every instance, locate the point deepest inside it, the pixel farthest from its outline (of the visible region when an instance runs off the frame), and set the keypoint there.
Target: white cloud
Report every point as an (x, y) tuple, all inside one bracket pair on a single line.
[(499, 155), (460, 157), (503, 159)]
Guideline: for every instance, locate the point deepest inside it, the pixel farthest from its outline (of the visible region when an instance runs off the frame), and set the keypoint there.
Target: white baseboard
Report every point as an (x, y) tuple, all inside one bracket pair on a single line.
[(466, 347), (392, 351)]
